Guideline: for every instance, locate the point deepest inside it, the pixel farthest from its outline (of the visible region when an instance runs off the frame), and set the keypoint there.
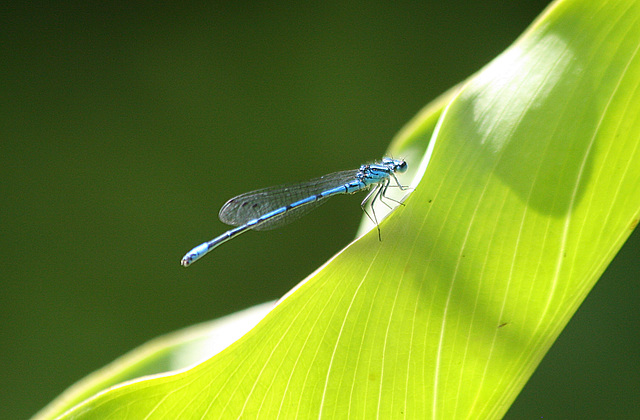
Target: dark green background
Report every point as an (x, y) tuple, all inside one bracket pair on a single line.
[(125, 128)]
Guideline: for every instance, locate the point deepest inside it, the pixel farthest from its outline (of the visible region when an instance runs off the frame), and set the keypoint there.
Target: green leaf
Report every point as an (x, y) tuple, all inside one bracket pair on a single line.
[(527, 188), (174, 351)]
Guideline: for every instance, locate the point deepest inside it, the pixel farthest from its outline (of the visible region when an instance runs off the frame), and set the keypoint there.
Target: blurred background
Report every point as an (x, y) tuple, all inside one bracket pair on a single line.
[(126, 126)]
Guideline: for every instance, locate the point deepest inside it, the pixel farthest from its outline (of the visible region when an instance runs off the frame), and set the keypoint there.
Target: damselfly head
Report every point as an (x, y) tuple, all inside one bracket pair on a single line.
[(396, 165)]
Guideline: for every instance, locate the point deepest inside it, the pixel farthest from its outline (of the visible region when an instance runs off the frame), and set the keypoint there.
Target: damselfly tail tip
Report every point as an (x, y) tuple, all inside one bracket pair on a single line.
[(194, 254), (186, 260)]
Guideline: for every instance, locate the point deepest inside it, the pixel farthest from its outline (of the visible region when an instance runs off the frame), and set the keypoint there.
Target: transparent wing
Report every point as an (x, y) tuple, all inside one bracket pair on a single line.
[(248, 206)]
